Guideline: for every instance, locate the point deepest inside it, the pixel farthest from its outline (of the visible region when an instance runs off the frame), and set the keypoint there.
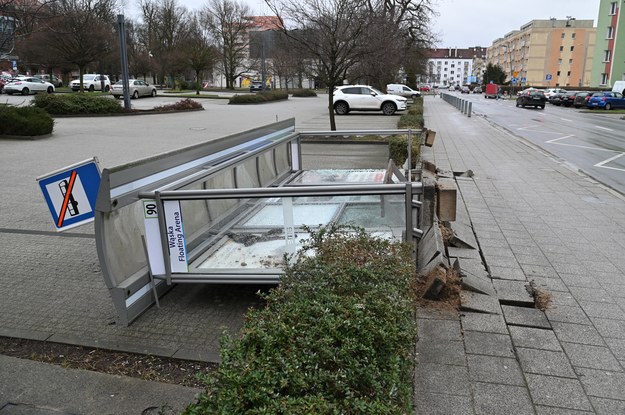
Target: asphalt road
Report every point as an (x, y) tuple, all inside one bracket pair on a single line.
[(592, 141)]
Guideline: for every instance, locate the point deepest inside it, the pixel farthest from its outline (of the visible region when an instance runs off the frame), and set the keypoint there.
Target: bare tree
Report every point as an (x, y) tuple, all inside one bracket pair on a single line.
[(330, 33), (18, 19), (164, 32), (81, 32), (228, 21), (200, 53)]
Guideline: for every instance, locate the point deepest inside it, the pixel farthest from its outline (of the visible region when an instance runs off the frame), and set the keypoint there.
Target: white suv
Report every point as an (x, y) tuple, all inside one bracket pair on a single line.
[(365, 98), (92, 82)]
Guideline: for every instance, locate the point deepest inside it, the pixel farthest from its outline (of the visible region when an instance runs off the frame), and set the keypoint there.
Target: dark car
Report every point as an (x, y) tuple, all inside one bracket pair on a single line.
[(556, 98), (568, 98), (533, 98), (606, 100), (581, 99)]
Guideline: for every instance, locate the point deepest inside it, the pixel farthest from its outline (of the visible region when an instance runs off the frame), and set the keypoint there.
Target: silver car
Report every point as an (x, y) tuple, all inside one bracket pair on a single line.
[(26, 85), (136, 88)]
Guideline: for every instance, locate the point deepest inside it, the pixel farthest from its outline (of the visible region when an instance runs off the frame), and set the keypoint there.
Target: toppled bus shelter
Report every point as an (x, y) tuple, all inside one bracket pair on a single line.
[(226, 211)]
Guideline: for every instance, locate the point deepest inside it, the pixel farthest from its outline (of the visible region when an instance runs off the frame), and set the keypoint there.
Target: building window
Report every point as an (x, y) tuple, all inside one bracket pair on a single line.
[(573, 35), (607, 54), (568, 73), (561, 48), (570, 61), (604, 79), (610, 34), (613, 8), (562, 35), (559, 61), (572, 48), (558, 73)]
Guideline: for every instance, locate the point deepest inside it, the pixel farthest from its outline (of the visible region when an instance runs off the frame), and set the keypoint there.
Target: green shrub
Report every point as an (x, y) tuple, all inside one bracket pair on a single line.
[(24, 121), (304, 93), (336, 337), (259, 97), (78, 103), (416, 107), (414, 121), (182, 105), (398, 149)]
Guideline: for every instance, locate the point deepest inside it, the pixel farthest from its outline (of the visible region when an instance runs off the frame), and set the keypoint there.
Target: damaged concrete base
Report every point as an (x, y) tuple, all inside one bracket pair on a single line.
[(452, 247)]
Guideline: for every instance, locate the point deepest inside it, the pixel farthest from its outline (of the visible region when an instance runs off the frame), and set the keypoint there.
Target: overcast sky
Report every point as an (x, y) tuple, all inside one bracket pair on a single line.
[(465, 23)]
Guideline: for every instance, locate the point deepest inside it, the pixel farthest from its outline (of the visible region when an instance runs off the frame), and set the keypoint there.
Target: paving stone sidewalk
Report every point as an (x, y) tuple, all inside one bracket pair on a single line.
[(534, 219)]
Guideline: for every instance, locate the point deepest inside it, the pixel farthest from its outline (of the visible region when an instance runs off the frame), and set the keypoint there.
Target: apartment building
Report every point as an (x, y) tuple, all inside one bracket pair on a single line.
[(547, 53), (453, 66), (609, 57)]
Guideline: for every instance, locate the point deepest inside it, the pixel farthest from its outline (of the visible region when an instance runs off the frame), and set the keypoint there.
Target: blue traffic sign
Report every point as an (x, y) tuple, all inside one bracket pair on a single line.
[(514, 80), (548, 77), (523, 80), (71, 193)]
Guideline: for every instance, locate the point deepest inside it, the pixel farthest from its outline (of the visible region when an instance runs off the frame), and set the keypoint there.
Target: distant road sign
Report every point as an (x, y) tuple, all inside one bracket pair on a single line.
[(71, 193), (523, 80), (514, 80), (548, 77)]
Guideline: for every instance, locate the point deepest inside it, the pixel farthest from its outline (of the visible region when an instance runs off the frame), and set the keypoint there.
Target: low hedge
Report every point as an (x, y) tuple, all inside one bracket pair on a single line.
[(304, 93), (24, 121), (79, 103), (414, 116), (336, 337), (259, 97), (398, 149)]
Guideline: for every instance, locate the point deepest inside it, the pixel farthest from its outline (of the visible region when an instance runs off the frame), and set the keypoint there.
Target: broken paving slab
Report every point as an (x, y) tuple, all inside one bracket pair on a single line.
[(473, 266), (481, 303), (525, 317), (467, 253), (512, 291), (430, 246), (472, 283), (463, 236)]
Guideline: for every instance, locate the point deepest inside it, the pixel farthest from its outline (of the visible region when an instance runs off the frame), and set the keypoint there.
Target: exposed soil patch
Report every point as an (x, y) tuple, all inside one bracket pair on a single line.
[(449, 296), (151, 368), (542, 299)]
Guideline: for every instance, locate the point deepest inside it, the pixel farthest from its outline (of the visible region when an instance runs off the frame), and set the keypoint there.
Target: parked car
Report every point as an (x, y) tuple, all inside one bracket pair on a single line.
[(619, 86), (92, 82), (402, 90), (136, 88), (555, 98), (581, 99), (451, 88), (568, 98), (27, 85), (533, 98), (550, 91), (477, 90), (424, 88), (258, 86), (54, 81), (605, 100), (365, 98), (465, 90)]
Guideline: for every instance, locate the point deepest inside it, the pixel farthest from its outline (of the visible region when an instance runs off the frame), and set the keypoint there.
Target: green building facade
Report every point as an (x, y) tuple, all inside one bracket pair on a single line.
[(609, 58)]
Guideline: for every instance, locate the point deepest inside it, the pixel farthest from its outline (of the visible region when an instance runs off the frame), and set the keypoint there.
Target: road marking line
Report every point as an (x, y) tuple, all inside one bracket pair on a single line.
[(68, 194), (602, 164), (561, 138), (565, 119), (603, 128)]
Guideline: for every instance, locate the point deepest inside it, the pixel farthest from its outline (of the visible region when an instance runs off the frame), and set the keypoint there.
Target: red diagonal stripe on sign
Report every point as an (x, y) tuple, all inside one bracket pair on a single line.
[(68, 194)]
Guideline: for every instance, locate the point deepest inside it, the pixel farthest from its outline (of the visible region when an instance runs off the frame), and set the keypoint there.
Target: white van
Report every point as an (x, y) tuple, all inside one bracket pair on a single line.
[(402, 90), (619, 86)]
